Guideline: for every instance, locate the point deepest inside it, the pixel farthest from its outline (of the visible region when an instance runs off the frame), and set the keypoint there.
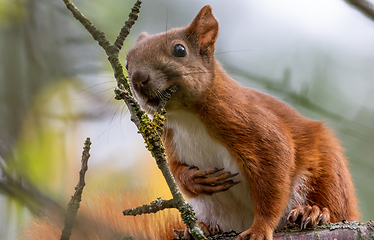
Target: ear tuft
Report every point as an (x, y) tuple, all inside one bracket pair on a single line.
[(142, 36), (204, 28)]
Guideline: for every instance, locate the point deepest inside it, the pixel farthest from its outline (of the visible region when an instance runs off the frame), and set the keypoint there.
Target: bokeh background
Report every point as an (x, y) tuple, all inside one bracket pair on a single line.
[(56, 88)]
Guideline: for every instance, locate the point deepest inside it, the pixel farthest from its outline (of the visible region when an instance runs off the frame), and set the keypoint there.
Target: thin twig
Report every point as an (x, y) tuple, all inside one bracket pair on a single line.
[(111, 50), (73, 205), (95, 32), (153, 207), (135, 110), (125, 30), (29, 195), (364, 7)]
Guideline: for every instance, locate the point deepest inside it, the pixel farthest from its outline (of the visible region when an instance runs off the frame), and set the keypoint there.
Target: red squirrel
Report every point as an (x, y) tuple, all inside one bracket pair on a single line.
[(245, 160)]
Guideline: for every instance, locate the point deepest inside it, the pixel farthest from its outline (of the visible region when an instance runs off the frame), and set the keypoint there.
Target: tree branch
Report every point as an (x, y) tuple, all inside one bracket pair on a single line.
[(342, 231), (20, 189), (111, 51), (151, 130), (125, 31), (363, 6), (95, 32), (73, 205), (136, 112), (153, 207)]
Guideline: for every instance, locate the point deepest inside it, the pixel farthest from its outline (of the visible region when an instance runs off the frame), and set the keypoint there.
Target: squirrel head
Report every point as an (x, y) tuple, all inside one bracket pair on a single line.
[(181, 57)]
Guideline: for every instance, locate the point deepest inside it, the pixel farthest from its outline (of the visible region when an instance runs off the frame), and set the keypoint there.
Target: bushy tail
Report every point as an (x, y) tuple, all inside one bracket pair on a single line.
[(100, 217)]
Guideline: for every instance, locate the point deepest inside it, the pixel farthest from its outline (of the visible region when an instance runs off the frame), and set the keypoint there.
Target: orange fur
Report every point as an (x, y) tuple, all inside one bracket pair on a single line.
[(283, 159), (100, 217)]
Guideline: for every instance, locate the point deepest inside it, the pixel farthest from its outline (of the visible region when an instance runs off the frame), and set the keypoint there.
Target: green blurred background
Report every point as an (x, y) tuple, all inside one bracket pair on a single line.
[(56, 88)]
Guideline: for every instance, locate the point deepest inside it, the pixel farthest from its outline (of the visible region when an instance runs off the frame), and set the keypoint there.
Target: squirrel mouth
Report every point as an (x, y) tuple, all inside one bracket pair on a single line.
[(153, 100), (161, 98)]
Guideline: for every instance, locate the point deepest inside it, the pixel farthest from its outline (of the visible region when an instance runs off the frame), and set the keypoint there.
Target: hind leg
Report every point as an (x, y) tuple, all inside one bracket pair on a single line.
[(207, 231), (309, 217)]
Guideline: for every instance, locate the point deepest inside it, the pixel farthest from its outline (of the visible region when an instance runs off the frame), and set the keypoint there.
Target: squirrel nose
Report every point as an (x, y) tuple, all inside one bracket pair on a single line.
[(139, 79)]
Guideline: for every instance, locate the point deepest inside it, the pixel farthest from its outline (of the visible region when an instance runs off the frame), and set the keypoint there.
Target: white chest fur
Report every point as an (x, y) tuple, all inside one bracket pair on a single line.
[(232, 209)]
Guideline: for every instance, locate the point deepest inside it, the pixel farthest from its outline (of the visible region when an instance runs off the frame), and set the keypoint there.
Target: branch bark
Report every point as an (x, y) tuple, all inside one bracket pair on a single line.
[(363, 6), (348, 230), (73, 205), (153, 207), (341, 231)]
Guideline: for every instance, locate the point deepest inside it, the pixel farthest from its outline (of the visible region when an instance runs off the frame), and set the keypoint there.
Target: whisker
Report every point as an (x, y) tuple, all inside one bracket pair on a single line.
[(124, 111), (234, 51), (91, 65), (158, 94), (190, 73), (162, 95), (109, 126), (167, 18), (95, 85), (213, 92), (167, 64), (95, 94)]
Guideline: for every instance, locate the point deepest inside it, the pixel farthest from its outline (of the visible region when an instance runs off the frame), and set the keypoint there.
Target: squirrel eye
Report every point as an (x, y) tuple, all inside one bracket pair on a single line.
[(126, 65), (179, 51)]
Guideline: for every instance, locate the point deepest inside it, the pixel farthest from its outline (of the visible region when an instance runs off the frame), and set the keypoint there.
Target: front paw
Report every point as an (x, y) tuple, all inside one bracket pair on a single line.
[(208, 181), (257, 232)]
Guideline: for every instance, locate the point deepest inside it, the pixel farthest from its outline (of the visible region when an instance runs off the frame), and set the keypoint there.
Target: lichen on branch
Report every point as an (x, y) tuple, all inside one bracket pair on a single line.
[(153, 207)]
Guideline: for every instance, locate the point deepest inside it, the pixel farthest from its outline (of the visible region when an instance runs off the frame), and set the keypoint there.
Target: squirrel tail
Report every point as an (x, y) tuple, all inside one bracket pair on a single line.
[(100, 217)]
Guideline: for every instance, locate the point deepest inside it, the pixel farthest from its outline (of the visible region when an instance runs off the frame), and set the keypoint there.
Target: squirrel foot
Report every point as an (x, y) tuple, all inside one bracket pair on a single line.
[(210, 231), (208, 181), (207, 231), (258, 231), (309, 216)]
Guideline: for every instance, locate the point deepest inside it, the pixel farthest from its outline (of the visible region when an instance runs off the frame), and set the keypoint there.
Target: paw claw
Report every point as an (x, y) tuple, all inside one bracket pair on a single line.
[(208, 181), (193, 167), (233, 175), (295, 214), (308, 216), (305, 222), (234, 183)]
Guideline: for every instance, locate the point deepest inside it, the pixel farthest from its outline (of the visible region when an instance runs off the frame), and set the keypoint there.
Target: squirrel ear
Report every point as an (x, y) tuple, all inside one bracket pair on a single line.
[(204, 28), (142, 36)]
